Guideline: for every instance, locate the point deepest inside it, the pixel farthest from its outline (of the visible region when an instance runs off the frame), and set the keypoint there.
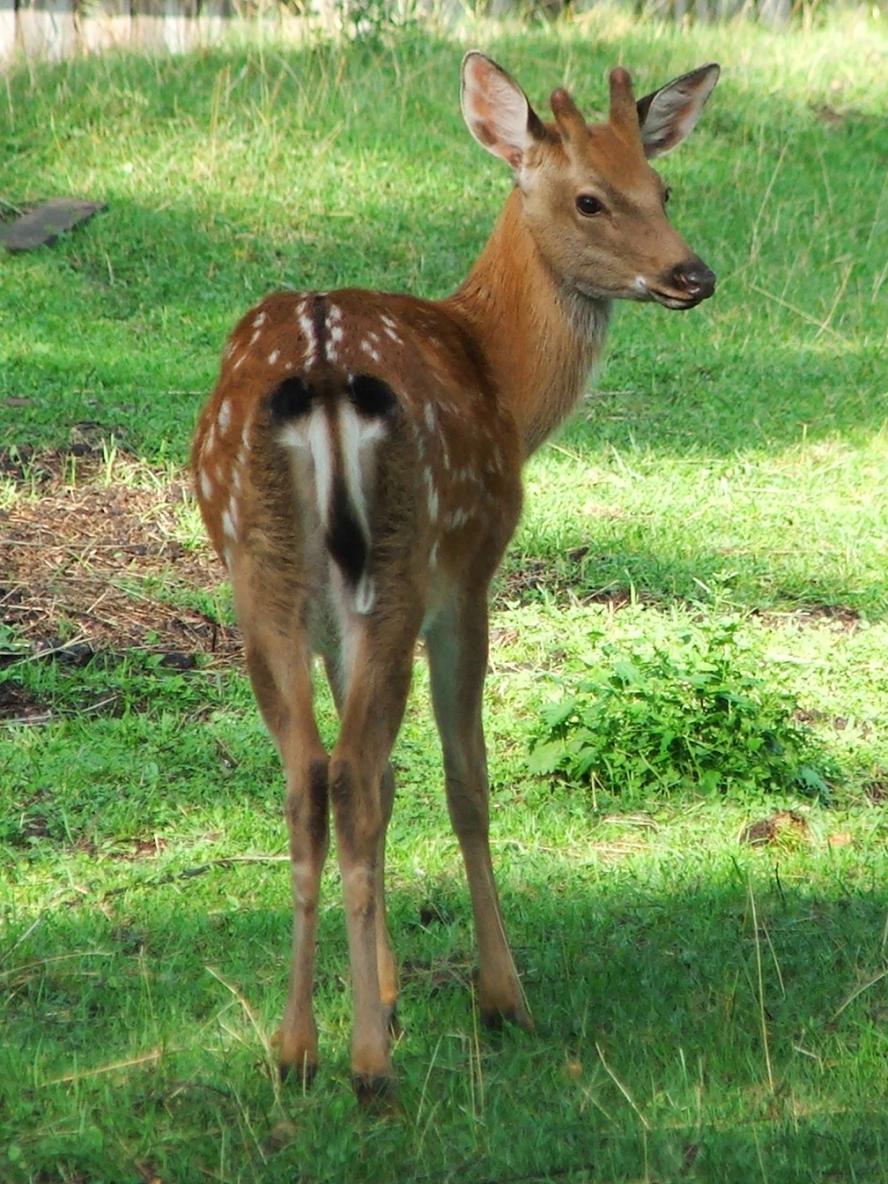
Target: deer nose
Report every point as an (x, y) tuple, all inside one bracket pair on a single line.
[(693, 277)]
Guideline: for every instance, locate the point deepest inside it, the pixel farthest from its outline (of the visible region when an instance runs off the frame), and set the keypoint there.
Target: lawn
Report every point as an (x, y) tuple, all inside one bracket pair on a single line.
[(702, 932)]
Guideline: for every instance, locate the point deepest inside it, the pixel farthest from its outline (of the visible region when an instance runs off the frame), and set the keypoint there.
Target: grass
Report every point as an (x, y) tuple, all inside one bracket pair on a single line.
[(708, 1008)]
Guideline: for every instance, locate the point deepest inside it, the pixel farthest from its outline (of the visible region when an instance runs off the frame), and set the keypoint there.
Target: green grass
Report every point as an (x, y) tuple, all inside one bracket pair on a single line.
[(707, 1009)]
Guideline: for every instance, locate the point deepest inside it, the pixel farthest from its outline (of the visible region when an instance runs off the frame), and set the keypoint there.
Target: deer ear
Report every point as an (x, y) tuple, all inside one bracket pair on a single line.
[(669, 115), (497, 111)]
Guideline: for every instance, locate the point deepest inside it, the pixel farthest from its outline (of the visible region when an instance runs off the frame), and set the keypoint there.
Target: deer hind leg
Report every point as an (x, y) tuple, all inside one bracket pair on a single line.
[(457, 647), (361, 789), (283, 689), (386, 964)]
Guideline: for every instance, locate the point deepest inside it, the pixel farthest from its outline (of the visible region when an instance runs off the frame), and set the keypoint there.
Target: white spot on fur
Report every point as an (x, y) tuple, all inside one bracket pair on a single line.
[(237, 365), (368, 349), (209, 443), (228, 526), (311, 344), (433, 554), (390, 332), (227, 557), (224, 416), (206, 485), (431, 495), (458, 518), (273, 356), (255, 337), (429, 415), (259, 320), (335, 336)]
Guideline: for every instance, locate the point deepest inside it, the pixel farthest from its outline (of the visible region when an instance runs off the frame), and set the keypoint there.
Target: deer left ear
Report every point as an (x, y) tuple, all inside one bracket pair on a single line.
[(669, 115)]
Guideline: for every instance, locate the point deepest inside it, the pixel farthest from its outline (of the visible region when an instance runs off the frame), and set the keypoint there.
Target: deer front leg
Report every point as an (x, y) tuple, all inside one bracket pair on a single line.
[(457, 645)]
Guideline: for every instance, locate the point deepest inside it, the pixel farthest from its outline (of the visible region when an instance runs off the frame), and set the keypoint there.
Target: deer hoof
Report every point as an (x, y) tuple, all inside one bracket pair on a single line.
[(374, 1091), (494, 1018)]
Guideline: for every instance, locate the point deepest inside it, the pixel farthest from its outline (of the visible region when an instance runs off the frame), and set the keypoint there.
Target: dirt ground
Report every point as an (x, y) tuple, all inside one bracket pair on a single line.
[(90, 562)]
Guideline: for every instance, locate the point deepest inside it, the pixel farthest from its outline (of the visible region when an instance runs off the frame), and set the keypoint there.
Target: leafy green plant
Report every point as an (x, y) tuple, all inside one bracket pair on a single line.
[(666, 715)]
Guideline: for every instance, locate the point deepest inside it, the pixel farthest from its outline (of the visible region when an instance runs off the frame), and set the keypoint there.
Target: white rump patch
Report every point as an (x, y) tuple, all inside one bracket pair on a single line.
[(365, 595), (358, 435)]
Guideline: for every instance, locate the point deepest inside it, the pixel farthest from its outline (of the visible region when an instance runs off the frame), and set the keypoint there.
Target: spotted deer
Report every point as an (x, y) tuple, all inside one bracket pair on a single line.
[(358, 468)]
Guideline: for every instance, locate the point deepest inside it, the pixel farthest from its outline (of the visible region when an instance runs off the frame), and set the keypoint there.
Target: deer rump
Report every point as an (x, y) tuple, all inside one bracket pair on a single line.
[(332, 427)]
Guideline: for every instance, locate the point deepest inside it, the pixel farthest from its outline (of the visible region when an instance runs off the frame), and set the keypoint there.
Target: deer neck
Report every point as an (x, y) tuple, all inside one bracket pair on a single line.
[(539, 336)]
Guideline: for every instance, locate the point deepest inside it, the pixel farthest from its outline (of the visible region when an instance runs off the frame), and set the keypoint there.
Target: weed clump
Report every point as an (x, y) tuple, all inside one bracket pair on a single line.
[(695, 712)]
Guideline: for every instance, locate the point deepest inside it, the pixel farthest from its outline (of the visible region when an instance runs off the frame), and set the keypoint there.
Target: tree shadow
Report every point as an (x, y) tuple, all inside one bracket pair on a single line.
[(651, 1001)]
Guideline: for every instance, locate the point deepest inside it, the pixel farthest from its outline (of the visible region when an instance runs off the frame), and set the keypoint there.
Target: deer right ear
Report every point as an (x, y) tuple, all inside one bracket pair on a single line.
[(496, 110)]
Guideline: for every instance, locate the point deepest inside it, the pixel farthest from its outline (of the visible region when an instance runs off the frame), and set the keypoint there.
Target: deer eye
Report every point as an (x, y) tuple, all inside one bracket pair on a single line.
[(589, 206)]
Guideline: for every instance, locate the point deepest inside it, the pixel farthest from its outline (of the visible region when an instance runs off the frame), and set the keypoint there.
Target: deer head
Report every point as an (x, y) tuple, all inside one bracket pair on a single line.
[(594, 205)]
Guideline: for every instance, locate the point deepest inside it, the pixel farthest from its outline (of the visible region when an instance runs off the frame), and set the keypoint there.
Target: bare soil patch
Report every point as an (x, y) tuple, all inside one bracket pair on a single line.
[(94, 565)]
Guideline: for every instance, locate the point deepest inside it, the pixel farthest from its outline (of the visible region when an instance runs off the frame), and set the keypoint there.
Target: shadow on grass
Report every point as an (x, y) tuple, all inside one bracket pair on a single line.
[(649, 1059)]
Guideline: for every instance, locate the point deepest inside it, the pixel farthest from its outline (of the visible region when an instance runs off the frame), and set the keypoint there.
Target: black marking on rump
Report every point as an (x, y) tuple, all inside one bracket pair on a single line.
[(345, 538), (371, 396), (290, 399), (319, 320)]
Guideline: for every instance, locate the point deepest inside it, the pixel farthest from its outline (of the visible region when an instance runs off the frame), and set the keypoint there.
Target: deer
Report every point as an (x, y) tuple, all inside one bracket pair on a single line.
[(358, 469)]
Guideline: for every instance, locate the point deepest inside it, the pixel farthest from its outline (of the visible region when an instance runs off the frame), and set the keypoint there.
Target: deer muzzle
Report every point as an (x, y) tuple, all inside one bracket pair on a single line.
[(685, 285)]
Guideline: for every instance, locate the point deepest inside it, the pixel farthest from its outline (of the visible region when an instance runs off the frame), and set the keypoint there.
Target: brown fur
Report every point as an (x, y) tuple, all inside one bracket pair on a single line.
[(479, 381)]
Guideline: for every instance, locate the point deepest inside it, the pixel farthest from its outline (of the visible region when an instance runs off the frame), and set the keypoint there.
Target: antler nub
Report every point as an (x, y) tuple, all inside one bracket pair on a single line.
[(570, 121), (622, 100)]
